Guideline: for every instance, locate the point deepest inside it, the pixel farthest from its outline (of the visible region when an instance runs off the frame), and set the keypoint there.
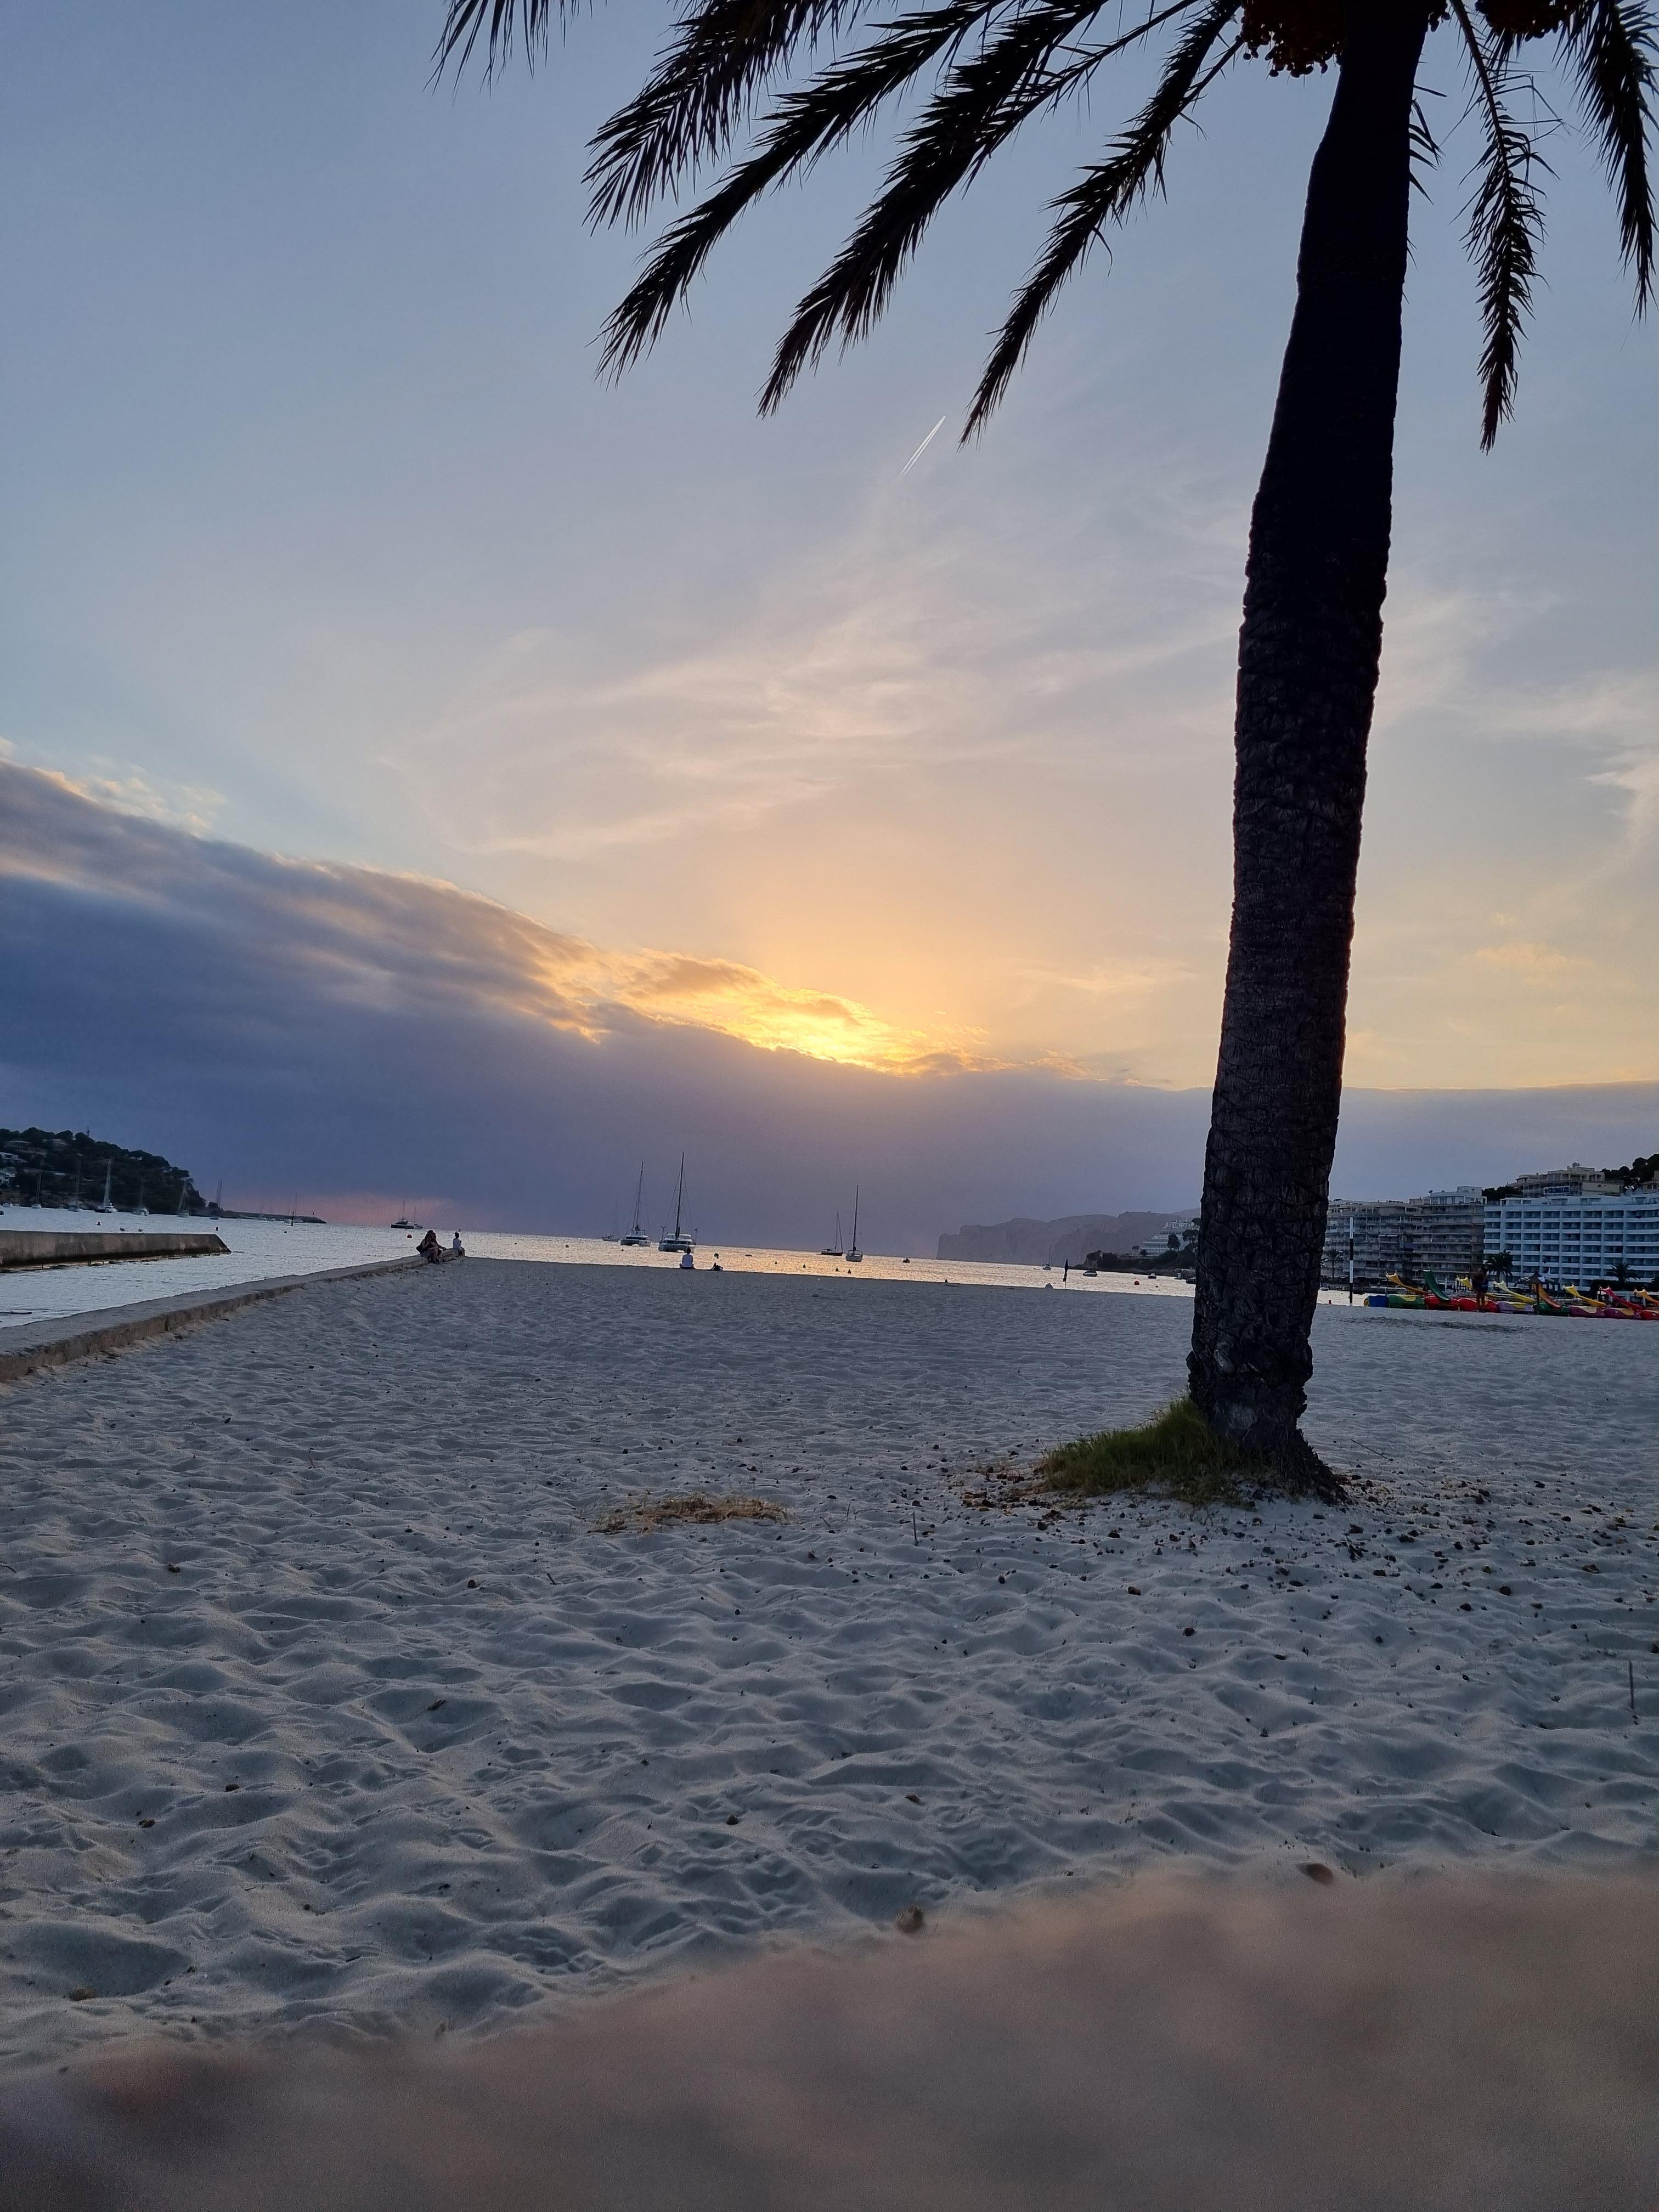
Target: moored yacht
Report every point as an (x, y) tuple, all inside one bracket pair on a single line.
[(636, 1235), (677, 1240)]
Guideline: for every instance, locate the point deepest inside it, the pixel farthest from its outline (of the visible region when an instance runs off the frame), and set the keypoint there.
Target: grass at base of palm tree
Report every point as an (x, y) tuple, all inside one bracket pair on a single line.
[(1175, 1455)]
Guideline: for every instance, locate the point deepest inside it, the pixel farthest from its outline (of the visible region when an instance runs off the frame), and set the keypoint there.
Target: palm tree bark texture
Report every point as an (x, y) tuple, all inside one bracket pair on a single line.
[(1309, 656)]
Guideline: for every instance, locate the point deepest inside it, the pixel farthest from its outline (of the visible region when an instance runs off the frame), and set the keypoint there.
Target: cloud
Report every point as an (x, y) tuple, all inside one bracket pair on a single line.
[(1537, 963), (914, 644), (375, 938), (192, 806), (357, 1037), (722, 994)]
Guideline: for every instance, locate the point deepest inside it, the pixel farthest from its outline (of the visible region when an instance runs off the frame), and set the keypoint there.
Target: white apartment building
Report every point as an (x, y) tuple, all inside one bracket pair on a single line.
[(1437, 1234), (1575, 1238)]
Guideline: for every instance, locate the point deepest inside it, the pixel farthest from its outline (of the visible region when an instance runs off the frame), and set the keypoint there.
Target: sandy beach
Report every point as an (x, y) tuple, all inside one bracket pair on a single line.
[(327, 1707)]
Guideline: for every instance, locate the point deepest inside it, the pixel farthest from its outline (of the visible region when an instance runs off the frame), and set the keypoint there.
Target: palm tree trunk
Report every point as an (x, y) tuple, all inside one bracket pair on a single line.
[(1309, 651)]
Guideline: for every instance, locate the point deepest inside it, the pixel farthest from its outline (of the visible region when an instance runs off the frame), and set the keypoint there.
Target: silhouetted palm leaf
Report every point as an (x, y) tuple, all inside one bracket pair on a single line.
[(996, 64), (983, 99), (1505, 224), (704, 87), (1610, 46), (467, 19), (806, 125), (1106, 194), (1425, 150), (1004, 77)]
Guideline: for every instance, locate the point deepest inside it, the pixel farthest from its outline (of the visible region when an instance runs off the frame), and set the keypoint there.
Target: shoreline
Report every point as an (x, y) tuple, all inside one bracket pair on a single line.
[(269, 1249)]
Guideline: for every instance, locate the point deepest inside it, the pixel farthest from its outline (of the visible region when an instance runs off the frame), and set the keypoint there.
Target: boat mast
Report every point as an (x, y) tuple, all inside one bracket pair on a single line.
[(680, 1192)]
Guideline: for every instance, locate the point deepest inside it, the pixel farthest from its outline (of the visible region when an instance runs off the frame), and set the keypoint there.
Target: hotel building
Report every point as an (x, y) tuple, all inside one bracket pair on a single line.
[(1576, 1236)]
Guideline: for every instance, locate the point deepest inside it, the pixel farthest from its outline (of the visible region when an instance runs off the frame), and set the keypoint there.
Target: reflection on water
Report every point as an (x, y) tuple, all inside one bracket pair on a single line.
[(874, 1265), (260, 1250)]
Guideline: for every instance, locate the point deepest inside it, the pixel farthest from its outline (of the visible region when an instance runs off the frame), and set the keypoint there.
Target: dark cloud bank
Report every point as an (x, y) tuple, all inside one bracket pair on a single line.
[(356, 1038)]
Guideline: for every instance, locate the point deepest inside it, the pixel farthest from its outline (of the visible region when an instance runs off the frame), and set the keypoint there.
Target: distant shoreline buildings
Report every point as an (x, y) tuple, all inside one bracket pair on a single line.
[(1584, 1237), (1561, 1224)]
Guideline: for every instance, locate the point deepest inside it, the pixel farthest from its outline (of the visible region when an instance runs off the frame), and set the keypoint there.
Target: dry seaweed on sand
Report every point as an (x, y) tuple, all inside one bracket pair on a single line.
[(695, 1505)]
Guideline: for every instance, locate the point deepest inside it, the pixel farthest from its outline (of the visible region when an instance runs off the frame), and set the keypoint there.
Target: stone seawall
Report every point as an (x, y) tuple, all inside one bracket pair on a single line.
[(62, 1247)]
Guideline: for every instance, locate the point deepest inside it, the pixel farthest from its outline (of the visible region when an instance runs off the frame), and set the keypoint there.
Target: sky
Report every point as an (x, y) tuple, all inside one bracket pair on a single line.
[(894, 800)]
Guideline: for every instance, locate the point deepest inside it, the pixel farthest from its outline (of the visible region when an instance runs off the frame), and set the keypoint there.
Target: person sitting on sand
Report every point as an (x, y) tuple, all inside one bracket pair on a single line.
[(457, 1250), (430, 1249)]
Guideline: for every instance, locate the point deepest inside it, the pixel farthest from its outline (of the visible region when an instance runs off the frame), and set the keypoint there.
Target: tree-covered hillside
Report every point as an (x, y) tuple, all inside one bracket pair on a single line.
[(58, 1167)]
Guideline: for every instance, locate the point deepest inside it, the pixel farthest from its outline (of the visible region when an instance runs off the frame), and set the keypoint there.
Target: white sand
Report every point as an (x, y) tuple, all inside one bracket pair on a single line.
[(420, 1747)]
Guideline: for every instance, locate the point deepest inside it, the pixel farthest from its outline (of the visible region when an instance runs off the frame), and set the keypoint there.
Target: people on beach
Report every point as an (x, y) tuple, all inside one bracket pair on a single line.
[(457, 1250), (430, 1249)]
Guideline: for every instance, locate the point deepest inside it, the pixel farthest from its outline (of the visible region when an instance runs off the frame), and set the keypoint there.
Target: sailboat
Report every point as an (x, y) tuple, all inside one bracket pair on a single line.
[(403, 1220), (678, 1242), (833, 1251), (636, 1235), (103, 1205), (613, 1235), (852, 1251)]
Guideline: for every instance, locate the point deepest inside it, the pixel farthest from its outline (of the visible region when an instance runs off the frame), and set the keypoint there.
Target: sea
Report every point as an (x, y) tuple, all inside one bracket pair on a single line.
[(263, 1250)]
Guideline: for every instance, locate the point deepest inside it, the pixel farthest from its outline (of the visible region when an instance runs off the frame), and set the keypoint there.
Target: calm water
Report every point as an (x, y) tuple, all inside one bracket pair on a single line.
[(262, 1250)]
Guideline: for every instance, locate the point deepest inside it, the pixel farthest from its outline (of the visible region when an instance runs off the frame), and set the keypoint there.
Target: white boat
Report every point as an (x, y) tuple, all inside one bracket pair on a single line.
[(676, 1239), (852, 1251), (636, 1235)]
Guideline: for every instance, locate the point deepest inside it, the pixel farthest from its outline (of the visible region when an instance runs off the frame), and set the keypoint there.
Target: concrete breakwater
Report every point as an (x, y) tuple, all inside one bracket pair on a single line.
[(60, 1247)]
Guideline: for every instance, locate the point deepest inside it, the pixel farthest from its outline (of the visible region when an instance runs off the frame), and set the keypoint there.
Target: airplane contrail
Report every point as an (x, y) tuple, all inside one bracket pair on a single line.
[(923, 447)]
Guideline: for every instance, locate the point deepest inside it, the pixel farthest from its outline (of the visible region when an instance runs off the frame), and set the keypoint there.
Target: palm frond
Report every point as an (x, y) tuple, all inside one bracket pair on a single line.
[(980, 100), (1106, 194), (467, 20), (701, 89), (806, 125), (1425, 148), (844, 96), (1610, 45), (1505, 224)]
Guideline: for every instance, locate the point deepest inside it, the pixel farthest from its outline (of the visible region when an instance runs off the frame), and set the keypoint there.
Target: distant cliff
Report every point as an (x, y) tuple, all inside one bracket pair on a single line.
[(1026, 1243)]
